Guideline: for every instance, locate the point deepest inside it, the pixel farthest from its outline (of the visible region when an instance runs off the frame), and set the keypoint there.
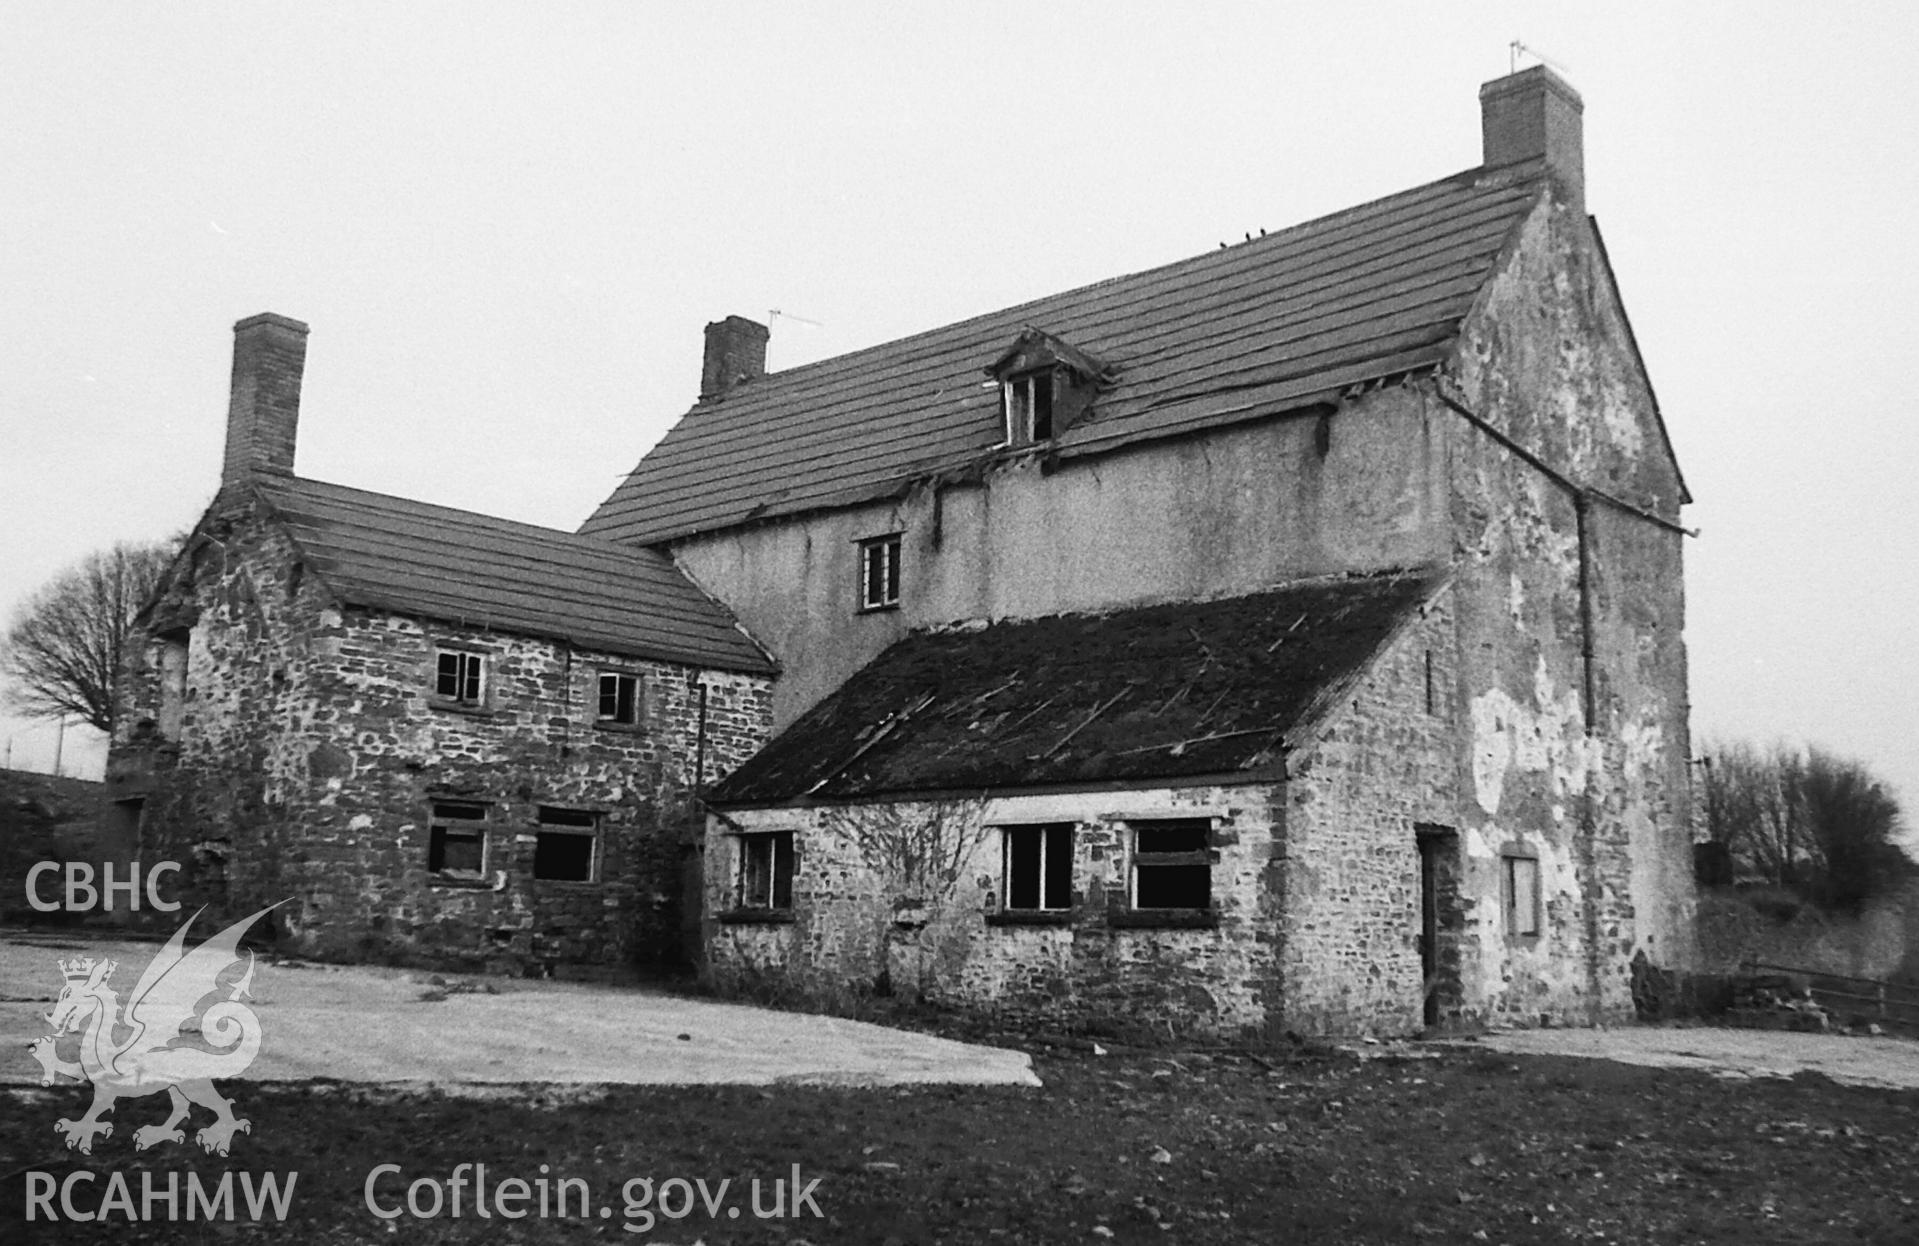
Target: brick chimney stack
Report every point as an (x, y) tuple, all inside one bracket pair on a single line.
[(1531, 114), (735, 352), (263, 413)]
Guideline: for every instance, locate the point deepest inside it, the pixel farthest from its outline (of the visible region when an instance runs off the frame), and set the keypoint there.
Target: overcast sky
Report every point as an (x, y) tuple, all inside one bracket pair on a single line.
[(507, 224)]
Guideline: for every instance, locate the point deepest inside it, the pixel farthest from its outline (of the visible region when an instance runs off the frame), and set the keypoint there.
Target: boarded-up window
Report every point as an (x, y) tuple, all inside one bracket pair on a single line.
[(456, 840), (173, 685), (1038, 866), (766, 870), (1172, 864), (566, 846), (1521, 887)]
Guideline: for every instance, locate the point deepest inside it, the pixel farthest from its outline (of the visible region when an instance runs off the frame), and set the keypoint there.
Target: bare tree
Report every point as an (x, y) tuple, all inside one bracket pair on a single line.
[(1854, 825), (63, 649), (1749, 809), (1818, 825)]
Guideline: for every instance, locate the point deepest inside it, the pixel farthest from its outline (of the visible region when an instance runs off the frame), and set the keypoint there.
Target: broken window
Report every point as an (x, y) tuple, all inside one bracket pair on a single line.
[(1045, 385), (566, 846), (619, 698), (460, 677), (766, 870), (880, 572), (1027, 403), (1038, 866), (1172, 864), (173, 684), (456, 840), (1519, 886)]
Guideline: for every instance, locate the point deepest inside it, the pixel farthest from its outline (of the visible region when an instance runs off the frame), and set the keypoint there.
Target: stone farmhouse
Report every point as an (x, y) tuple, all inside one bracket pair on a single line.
[(1288, 638), (436, 735)]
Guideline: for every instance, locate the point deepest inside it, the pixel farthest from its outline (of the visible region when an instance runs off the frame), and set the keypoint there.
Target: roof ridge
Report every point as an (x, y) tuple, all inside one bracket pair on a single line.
[(1288, 233), (617, 549), (1347, 296), (1107, 322)]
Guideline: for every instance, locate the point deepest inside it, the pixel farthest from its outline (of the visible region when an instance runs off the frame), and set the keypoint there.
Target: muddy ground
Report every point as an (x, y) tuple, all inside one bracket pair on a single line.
[(1127, 1146)]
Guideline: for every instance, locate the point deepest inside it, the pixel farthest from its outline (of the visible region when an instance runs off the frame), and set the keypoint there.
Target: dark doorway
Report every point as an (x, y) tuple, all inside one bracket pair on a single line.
[(1439, 921), (691, 949), (120, 831)]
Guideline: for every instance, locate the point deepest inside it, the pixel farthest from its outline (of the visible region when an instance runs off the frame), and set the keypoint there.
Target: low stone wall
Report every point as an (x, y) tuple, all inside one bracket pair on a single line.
[(1737, 928)]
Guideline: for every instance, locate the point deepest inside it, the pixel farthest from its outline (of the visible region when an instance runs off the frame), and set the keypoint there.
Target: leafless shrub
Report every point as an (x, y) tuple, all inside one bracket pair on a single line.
[(1817, 825), (918, 849)]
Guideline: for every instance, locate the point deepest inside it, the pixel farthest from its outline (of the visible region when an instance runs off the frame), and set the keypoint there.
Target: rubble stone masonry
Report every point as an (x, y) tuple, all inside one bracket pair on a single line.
[(310, 750), (859, 924)]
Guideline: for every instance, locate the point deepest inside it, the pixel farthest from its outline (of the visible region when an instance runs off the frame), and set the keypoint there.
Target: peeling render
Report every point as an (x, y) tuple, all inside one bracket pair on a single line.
[(1544, 733), (1487, 819), (1531, 725)]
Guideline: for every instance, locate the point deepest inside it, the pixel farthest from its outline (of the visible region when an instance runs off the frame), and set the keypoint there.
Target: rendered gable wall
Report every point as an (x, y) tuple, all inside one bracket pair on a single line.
[(1601, 778)]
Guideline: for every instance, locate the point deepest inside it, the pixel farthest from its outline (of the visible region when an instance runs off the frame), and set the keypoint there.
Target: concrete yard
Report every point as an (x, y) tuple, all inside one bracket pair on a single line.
[(374, 1025), (1892, 1063)]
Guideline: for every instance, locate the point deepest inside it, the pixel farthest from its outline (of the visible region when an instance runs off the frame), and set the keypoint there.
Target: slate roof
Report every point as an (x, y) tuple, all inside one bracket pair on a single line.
[(436, 562), (1264, 326), (1151, 692)]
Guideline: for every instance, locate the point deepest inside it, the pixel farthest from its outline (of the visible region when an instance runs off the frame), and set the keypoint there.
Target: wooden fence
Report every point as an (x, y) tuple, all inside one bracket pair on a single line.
[(1846, 998)]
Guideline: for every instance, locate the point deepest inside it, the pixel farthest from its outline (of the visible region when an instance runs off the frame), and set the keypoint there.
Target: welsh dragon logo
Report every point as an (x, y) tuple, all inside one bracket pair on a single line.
[(153, 1046)]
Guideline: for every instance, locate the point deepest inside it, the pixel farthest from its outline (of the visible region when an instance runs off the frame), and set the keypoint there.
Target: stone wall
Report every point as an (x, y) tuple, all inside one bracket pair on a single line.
[(1881, 940), (869, 918), (1570, 600), (312, 751), (1535, 467), (1346, 872)]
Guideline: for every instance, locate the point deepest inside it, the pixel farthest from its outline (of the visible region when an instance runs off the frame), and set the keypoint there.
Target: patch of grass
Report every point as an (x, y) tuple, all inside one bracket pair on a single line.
[(1169, 1146)]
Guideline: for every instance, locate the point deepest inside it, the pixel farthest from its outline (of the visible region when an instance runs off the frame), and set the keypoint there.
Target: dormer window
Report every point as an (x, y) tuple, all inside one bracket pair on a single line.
[(1044, 386), (1027, 401)]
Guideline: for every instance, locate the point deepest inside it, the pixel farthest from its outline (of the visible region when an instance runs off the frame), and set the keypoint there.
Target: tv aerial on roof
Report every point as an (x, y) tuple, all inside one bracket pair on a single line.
[(1516, 49), (775, 314)]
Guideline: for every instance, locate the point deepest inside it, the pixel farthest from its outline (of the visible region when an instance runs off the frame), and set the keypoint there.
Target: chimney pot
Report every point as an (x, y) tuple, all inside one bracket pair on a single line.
[(735, 353), (1535, 114), (263, 411)]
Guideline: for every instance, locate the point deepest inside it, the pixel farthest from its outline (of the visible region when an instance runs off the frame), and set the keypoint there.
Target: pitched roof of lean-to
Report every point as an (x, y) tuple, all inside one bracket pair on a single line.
[(1149, 692)]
